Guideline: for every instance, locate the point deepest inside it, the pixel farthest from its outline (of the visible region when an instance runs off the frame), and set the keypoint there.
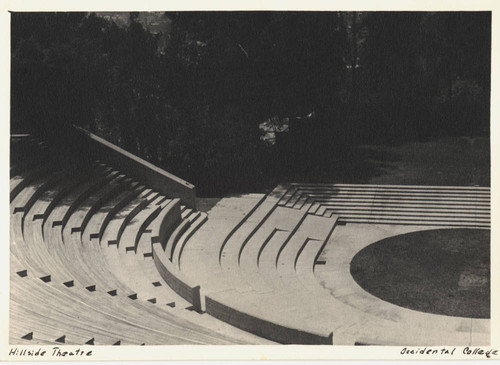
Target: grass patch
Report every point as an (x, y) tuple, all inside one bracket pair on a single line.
[(444, 271)]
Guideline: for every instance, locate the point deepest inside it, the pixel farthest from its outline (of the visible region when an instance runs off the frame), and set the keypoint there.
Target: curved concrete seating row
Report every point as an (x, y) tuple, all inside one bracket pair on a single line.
[(130, 211), (76, 328), (65, 270), (82, 194), (164, 209), (125, 263), (184, 287), (91, 267), (53, 278), (170, 227), (41, 188), (55, 244), (136, 285), (116, 262), (121, 322), (113, 189), (81, 186), (136, 227), (19, 182), (174, 238), (90, 260), (144, 279), (52, 197), (104, 216), (195, 222)]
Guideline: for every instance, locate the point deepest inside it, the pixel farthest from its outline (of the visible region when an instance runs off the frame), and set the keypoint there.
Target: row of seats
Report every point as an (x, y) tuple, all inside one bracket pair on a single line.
[(81, 265)]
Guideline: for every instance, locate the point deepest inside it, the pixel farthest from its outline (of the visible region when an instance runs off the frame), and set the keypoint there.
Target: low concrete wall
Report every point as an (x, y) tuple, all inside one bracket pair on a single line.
[(264, 328), (164, 223), (154, 177), (175, 279), (174, 238)]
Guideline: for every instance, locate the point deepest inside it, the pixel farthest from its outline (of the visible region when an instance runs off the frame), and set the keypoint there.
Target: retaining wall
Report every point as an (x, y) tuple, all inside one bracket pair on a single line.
[(264, 328), (156, 178), (175, 279)]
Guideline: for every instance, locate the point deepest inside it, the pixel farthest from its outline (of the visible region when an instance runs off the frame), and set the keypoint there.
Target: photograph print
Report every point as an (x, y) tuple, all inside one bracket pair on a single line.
[(250, 178)]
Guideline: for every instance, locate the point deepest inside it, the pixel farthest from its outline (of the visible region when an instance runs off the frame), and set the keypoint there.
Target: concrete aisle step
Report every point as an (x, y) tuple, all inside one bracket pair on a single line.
[(403, 187), (413, 209), (392, 192), (401, 200), (410, 214), (443, 224), (290, 191)]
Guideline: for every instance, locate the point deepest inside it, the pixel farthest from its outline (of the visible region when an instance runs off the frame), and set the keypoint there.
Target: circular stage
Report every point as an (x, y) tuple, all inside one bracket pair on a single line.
[(441, 271)]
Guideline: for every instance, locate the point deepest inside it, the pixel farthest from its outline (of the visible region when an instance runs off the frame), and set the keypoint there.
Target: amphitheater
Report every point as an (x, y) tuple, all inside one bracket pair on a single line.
[(107, 249)]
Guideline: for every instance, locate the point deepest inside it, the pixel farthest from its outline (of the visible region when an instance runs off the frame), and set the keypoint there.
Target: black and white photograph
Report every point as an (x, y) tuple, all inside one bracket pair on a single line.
[(250, 176)]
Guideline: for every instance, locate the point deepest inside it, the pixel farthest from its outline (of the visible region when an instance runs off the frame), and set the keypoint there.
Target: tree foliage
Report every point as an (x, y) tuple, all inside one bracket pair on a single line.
[(194, 106)]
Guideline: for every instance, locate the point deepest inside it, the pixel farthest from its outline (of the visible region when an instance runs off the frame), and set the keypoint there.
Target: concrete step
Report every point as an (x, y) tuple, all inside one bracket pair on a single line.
[(388, 190), (401, 187), (408, 213), (420, 218), (444, 223), (406, 199), (290, 191)]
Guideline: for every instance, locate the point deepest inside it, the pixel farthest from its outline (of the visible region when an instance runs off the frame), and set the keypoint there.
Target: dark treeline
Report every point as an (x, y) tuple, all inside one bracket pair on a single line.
[(193, 106)]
